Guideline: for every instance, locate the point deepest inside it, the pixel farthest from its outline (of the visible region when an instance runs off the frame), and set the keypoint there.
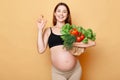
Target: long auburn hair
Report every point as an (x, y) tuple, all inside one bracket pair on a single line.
[(68, 20)]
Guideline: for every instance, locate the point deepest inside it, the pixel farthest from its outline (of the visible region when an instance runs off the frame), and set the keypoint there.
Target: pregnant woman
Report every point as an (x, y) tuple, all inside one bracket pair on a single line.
[(65, 65)]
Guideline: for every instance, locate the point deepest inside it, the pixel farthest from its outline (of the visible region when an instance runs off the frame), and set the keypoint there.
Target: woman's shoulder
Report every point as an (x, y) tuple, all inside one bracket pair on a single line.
[(48, 30)]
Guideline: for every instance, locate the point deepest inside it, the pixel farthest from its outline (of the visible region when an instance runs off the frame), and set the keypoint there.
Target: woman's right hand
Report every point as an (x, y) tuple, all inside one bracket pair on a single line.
[(41, 22)]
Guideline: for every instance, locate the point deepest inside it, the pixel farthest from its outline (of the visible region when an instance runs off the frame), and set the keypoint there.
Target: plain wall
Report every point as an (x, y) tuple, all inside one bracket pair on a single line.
[(19, 58)]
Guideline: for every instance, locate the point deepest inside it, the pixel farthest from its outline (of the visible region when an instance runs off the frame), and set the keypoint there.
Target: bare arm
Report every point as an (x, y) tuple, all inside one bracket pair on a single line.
[(42, 36), (83, 45)]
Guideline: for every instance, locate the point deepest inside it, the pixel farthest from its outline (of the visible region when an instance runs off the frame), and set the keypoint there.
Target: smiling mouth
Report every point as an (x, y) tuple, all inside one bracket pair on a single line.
[(61, 17)]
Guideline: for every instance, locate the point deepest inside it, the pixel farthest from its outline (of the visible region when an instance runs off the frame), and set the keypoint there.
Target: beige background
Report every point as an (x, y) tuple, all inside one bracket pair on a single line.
[(19, 59)]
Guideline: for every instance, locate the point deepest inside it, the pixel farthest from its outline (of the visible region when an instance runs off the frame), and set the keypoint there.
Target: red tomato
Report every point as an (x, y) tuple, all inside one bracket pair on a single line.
[(74, 32), (78, 39), (82, 36)]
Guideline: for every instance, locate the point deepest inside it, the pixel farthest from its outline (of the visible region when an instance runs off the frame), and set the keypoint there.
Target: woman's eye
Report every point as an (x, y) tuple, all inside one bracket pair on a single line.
[(64, 11), (58, 10)]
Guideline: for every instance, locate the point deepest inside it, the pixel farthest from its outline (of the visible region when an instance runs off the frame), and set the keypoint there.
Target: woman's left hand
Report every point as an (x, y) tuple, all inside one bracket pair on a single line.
[(77, 51)]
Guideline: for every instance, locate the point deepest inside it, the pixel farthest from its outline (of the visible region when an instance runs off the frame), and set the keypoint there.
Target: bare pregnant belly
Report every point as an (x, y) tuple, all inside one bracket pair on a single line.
[(62, 59)]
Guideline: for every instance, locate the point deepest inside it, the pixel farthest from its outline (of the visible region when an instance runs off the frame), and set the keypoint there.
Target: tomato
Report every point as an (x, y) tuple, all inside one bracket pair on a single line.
[(80, 38), (74, 32)]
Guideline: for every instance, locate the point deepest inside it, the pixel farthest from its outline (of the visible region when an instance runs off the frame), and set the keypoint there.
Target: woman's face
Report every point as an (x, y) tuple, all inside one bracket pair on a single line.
[(61, 13)]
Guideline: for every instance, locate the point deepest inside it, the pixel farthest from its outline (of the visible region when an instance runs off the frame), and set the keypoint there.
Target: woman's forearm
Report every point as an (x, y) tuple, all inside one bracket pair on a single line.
[(41, 45), (85, 45)]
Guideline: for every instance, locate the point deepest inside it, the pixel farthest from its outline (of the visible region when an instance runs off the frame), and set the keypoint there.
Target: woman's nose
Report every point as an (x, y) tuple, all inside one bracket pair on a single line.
[(61, 13)]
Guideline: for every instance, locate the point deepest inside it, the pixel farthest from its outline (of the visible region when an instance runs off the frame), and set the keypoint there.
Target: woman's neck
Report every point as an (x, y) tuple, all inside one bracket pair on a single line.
[(59, 25)]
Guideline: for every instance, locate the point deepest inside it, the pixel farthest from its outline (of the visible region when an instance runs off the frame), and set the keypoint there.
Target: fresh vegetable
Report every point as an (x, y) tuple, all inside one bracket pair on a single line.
[(72, 33), (78, 39), (82, 36)]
